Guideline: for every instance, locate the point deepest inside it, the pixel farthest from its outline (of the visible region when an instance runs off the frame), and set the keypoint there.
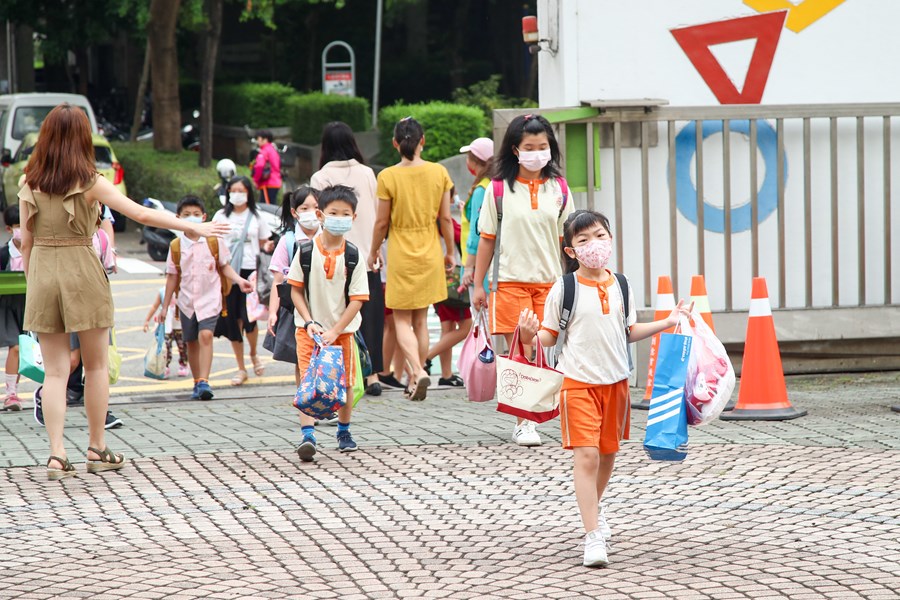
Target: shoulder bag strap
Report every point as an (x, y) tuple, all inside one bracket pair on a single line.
[(498, 202), (351, 258), (622, 282)]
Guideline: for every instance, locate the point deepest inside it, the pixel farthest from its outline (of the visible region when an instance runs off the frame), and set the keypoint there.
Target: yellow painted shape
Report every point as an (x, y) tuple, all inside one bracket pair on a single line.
[(800, 16)]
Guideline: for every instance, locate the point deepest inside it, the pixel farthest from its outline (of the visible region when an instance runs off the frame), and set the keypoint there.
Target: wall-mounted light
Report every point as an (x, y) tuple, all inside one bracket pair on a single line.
[(532, 39)]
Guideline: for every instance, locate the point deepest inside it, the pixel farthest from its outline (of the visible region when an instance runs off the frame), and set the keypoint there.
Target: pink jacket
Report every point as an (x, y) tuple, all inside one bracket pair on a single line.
[(267, 154)]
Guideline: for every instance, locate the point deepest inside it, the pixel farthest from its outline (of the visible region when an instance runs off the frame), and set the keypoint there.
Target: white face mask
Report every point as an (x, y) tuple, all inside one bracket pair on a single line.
[(308, 220), (238, 198), (534, 160)]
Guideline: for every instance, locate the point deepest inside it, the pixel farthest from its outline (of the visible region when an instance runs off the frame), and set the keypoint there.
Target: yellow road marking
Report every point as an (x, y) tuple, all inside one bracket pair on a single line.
[(118, 282)]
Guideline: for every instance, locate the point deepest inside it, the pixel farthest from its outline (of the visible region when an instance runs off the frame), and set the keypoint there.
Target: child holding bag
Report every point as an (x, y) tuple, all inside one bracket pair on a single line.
[(594, 400)]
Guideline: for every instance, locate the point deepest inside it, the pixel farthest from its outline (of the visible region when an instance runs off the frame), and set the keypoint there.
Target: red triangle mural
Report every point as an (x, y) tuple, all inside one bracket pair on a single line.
[(696, 40)]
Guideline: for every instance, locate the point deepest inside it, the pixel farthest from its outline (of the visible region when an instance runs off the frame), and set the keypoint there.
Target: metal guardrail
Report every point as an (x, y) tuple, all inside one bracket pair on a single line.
[(802, 122)]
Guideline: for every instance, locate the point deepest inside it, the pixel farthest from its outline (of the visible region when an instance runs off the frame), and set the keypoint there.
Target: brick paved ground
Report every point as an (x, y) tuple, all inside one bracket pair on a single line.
[(438, 505)]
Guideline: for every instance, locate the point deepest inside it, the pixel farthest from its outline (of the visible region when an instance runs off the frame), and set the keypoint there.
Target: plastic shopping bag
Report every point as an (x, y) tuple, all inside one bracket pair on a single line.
[(359, 382), (524, 389), (476, 361), (323, 390), (710, 375), (666, 435), (256, 310), (155, 358), (31, 361), (115, 359)]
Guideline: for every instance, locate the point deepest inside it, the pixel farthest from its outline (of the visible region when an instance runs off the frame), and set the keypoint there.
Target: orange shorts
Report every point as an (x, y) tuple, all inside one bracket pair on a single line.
[(511, 298), (305, 347), (597, 416)]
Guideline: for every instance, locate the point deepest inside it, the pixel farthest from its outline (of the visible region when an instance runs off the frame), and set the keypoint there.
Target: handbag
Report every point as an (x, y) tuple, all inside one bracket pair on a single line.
[(365, 359), (524, 389), (283, 345), (264, 278), (115, 359), (359, 382), (237, 247), (457, 294), (476, 362), (256, 309), (31, 361), (155, 358), (666, 435), (323, 390)]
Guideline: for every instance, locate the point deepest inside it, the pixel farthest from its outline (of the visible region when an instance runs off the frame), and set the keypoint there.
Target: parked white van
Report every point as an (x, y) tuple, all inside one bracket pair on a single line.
[(21, 114)]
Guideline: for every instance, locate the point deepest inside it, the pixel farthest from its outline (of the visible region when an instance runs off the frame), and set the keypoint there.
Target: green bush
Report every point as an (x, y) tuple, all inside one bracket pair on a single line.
[(167, 176), (447, 128), (310, 112), (486, 96), (258, 105)]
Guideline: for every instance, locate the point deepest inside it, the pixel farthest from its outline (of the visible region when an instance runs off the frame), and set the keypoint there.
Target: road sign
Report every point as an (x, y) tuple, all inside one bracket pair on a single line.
[(339, 77)]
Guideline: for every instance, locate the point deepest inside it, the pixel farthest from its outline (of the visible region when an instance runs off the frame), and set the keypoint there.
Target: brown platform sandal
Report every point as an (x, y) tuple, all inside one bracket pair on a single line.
[(67, 469), (418, 392), (108, 461)]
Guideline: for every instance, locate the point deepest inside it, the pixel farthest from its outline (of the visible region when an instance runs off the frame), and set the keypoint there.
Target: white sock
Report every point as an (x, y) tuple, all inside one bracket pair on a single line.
[(12, 383)]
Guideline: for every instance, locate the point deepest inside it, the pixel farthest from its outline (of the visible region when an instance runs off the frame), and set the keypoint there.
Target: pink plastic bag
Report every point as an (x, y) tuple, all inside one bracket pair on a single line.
[(256, 311), (710, 375), (476, 361), (106, 254)]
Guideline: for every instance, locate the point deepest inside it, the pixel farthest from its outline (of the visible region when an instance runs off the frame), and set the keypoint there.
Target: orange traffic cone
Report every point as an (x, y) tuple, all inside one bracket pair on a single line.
[(763, 395), (665, 303), (701, 300)]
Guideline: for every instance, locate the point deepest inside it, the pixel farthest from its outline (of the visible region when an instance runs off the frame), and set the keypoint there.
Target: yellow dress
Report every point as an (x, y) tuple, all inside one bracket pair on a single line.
[(415, 274), (68, 289)]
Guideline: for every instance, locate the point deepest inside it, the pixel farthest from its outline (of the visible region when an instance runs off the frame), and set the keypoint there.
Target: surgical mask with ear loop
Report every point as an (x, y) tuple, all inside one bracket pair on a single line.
[(534, 160), (308, 220)]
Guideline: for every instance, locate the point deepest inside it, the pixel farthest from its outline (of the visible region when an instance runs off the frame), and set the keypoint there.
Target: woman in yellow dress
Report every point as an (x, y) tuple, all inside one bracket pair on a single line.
[(413, 207)]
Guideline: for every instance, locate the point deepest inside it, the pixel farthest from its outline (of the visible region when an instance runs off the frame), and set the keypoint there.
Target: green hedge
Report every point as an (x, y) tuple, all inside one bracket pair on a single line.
[(167, 176), (447, 128), (258, 105), (310, 112)]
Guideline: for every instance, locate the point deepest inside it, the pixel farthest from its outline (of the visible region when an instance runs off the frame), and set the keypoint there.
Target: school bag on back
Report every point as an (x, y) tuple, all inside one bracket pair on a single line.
[(305, 250), (213, 243)]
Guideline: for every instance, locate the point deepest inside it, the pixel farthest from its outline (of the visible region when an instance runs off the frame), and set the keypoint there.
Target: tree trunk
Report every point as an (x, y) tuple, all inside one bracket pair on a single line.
[(457, 61), (141, 92), (81, 63), (417, 29), (164, 70), (208, 77)]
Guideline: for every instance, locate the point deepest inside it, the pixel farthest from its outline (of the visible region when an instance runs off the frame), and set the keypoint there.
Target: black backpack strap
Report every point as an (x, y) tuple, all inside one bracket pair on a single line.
[(306, 249), (351, 259), (626, 300), (566, 310)]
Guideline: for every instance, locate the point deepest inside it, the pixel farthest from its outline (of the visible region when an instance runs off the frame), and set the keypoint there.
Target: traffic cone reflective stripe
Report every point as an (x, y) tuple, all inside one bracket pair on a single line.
[(763, 395), (701, 299), (665, 303)]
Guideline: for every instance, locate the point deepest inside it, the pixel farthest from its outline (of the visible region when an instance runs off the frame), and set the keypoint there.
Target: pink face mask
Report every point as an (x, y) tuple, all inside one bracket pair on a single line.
[(595, 254)]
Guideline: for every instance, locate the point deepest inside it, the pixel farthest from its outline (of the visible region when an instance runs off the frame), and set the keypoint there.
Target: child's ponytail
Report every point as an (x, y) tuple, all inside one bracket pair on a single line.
[(408, 133)]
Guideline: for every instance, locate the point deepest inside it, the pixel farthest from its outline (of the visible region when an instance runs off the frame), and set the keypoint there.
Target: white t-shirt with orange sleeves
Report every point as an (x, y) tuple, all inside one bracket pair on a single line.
[(532, 229), (327, 274), (595, 351)]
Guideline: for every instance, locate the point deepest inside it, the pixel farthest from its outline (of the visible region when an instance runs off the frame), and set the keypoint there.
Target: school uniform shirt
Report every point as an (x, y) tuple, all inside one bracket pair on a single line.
[(16, 262), (595, 351), (201, 289), (532, 229), (327, 274), (257, 231), (281, 262)]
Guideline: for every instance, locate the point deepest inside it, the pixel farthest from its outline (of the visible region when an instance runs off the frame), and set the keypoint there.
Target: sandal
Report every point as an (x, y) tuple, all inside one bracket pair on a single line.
[(258, 367), (239, 378), (109, 461), (67, 469), (419, 391)]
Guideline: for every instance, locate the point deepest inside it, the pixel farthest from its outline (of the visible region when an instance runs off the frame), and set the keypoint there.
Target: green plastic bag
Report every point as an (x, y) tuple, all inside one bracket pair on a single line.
[(115, 359), (359, 384), (31, 361)]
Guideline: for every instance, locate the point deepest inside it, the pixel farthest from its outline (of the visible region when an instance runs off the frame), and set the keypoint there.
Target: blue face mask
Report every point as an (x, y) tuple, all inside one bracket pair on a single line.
[(338, 225), (193, 219)]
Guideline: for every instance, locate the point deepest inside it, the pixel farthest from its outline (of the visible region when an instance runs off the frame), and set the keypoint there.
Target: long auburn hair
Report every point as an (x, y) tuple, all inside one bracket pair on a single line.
[(63, 157)]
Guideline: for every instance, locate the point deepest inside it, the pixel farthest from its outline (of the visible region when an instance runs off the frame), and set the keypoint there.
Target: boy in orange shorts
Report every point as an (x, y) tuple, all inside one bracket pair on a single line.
[(328, 303)]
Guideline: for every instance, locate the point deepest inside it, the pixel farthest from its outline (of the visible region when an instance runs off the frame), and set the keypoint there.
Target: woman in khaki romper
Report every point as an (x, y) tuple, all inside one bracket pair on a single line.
[(68, 290)]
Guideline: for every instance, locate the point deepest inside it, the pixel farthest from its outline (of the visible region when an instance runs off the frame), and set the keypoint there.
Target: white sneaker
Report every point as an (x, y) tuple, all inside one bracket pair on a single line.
[(602, 525), (525, 434), (595, 550)]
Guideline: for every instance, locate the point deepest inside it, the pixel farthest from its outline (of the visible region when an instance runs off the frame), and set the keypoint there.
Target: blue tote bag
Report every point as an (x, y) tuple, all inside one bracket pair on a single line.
[(666, 435), (323, 390)]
